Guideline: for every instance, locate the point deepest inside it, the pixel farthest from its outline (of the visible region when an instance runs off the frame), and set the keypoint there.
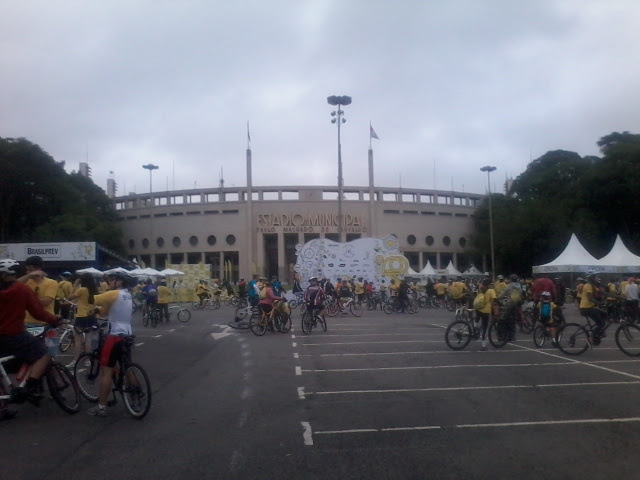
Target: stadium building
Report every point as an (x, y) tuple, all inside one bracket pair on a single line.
[(251, 229)]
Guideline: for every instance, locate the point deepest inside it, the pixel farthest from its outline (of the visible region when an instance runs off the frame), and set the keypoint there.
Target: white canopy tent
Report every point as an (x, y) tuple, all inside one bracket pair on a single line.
[(168, 272), (620, 259), (451, 270), (428, 270), (94, 272), (473, 272), (116, 270), (574, 258)]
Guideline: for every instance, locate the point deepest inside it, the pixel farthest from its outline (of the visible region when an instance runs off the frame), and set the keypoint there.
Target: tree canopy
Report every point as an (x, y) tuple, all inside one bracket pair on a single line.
[(41, 202), (562, 193)]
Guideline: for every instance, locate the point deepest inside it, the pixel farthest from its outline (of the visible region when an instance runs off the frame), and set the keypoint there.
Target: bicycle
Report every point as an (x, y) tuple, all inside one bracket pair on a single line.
[(311, 320), (575, 339), (62, 385), (130, 380), (543, 331), (393, 306), (239, 321), (209, 303), (336, 306), (181, 312), (278, 319), (462, 330)]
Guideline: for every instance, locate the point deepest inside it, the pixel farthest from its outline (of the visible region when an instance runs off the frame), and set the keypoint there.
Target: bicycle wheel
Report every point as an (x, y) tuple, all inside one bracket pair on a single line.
[(388, 308), (332, 309), (293, 304), (257, 324), (184, 315), (195, 305), (87, 374), (155, 317), (497, 335), (136, 391), (628, 339), (63, 387), (145, 318), (323, 322), (66, 340), (307, 323), (356, 309), (573, 339), (285, 322), (458, 335), (450, 304), (527, 324), (539, 336), (215, 305)]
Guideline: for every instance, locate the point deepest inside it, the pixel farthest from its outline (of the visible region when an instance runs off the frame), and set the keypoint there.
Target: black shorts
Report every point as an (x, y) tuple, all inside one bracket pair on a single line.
[(311, 308), (24, 346), (85, 322)]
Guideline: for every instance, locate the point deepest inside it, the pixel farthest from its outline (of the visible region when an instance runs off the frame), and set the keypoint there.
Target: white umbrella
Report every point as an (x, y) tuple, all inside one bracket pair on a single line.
[(116, 270), (151, 272), (92, 271), (167, 272)]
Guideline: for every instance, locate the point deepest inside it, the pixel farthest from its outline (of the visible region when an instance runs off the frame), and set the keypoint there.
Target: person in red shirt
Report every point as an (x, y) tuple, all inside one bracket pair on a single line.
[(15, 299), (543, 284)]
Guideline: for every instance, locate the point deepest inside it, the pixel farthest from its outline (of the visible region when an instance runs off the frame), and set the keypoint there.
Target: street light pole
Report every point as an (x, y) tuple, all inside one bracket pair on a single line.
[(490, 169), (338, 117), (151, 168)]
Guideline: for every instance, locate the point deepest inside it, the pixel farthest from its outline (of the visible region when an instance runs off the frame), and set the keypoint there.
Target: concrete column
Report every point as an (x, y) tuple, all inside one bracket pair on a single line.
[(221, 275), (282, 266), (420, 261), (438, 261)]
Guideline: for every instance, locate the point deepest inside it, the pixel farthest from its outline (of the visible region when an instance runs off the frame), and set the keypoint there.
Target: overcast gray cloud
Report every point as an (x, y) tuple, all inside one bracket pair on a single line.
[(448, 86)]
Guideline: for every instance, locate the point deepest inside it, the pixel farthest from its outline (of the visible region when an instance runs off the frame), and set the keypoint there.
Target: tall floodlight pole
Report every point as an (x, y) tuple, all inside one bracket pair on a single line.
[(490, 169), (151, 168), (338, 117)]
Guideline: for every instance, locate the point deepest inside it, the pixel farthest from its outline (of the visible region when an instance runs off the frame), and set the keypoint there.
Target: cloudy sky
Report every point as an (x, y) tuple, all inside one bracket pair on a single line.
[(449, 86)]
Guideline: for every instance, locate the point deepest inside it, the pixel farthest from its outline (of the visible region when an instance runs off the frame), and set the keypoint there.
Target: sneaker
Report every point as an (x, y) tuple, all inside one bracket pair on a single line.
[(71, 365), (22, 394), (98, 411)]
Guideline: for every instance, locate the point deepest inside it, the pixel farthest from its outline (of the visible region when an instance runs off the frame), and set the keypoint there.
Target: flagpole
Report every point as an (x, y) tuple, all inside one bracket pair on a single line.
[(369, 134)]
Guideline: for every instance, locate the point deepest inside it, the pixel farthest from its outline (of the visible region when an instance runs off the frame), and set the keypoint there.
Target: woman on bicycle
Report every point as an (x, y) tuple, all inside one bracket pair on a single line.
[(267, 297), (85, 290), (483, 305), (116, 304), (314, 296)]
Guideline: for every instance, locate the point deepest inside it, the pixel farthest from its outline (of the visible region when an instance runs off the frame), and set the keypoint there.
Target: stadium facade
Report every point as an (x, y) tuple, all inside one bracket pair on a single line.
[(244, 230)]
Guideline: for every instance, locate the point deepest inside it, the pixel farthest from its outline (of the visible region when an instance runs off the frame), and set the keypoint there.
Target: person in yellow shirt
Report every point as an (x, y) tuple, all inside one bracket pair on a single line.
[(500, 285), (104, 287), (84, 294), (588, 307), (164, 294), (441, 289), (359, 290), (45, 288), (202, 291), (65, 287), (483, 305), (393, 289)]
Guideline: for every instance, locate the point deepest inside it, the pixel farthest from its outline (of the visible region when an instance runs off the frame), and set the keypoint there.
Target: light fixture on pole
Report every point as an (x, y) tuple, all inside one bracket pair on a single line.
[(490, 169), (151, 168), (338, 117)]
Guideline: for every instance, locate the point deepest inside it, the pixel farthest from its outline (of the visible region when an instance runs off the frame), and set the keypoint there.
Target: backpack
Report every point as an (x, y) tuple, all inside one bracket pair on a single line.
[(479, 302), (263, 293)]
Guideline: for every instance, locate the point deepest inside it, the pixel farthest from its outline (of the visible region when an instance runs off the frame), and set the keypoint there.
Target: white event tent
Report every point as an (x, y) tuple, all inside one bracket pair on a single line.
[(620, 259), (574, 258)]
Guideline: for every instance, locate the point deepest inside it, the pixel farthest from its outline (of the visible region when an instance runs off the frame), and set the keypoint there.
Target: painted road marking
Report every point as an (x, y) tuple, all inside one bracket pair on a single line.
[(307, 433), (434, 367), (453, 389)]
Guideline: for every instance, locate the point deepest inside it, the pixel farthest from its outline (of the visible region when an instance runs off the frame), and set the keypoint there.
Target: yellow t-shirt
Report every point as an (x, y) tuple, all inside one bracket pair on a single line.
[(499, 287), (359, 288), (440, 288), (489, 296), (585, 302), (393, 289), (104, 287), (84, 307), (47, 288), (64, 289), (164, 293), (457, 290)]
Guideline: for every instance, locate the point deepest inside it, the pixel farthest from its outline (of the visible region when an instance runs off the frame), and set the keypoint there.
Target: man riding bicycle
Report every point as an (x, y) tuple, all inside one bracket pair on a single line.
[(15, 299), (116, 304), (314, 296), (588, 307)]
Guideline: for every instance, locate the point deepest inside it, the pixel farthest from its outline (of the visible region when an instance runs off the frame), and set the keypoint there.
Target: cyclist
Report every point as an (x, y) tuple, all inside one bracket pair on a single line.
[(359, 290), (344, 290), (267, 297), (632, 296), (546, 308), (85, 292), (202, 291), (403, 296), (483, 305), (65, 287), (510, 299), (314, 296), (150, 292), (164, 294), (116, 304), (458, 291), (588, 307), (15, 298), (45, 288)]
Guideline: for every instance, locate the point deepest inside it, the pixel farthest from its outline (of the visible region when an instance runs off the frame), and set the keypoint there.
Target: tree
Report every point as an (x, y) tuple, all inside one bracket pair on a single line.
[(39, 201)]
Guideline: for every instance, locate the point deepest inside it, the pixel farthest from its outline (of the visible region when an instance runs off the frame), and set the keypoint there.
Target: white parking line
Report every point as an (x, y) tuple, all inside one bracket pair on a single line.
[(372, 343), (435, 367), (476, 425), (590, 364), (421, 352), (307, 434), (453, 389)]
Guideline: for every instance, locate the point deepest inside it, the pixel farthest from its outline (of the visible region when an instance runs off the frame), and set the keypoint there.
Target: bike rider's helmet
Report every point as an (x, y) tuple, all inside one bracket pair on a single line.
[(514, 278), (545, 295), (591, 276), (9, 265), (66, 274), (313, 279)]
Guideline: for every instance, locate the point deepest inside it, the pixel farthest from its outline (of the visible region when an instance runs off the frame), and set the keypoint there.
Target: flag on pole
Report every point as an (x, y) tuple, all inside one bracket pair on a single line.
[(372, 133)]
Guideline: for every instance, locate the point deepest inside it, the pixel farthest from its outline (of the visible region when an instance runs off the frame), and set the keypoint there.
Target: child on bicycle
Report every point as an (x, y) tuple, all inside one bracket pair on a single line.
[(545, 308)]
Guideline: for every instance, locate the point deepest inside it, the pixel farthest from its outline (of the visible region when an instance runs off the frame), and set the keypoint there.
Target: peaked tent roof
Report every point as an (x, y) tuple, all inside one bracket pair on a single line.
[(620, 259), (428, 269), (472, 272), (451, 270), (574, 258)]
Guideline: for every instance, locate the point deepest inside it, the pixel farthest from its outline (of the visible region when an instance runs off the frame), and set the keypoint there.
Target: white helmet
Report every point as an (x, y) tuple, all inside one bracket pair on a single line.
[(9, 265)]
